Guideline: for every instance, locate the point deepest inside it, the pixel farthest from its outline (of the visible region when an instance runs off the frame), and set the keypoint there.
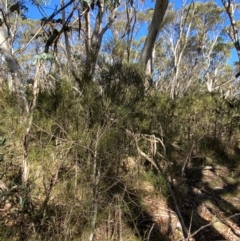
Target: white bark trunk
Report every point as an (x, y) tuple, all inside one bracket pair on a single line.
[(159, 12), (6, 49)]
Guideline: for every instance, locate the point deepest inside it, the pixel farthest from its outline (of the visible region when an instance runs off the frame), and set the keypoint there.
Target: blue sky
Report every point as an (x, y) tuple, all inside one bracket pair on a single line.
[(52, 4), (33, 13)]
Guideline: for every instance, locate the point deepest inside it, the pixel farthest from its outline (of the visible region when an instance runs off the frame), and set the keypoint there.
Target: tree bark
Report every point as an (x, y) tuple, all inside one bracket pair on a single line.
[(6, 49), (223, 225), (67, 44), (159, 12), (96, 38)]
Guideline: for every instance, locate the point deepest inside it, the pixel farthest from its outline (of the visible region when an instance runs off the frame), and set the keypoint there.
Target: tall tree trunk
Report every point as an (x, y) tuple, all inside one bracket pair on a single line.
[(96, 37), (6, 49), (14, 80), (67, 44), (159, 12), (233, 32)]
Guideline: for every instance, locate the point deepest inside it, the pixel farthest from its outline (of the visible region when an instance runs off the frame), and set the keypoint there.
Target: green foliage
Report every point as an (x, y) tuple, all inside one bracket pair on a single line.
[(208, 13), (155, 115), (80, 142), (43, 56), (38, 3), (123, 84), (80, 138), (159, 182)]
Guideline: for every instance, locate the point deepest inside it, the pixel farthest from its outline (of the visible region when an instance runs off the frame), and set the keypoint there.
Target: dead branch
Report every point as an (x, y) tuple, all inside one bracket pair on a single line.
[(159, 169), (206, 226)]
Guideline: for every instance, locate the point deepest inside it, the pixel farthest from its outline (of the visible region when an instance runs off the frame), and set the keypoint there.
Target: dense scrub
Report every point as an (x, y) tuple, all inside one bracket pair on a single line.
[(87, 175)]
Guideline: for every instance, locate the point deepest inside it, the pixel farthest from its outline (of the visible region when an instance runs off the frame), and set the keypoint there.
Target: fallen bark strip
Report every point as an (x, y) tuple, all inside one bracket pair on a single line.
[(223, 225), (206, 226)]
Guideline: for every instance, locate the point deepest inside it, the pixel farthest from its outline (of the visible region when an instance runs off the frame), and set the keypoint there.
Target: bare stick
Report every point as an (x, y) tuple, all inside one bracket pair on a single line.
[(207, 225), (159, 169)]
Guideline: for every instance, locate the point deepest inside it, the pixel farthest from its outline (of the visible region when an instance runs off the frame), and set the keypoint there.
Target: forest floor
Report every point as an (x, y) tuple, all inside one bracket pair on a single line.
[(213, 203), (209, 201), (208, 198)]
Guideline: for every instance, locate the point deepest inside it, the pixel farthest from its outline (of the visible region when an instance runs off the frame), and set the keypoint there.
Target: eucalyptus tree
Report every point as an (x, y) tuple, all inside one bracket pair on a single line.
[(72, 23), (231, 8), (10, 14), (194, 49), (147, 51)]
